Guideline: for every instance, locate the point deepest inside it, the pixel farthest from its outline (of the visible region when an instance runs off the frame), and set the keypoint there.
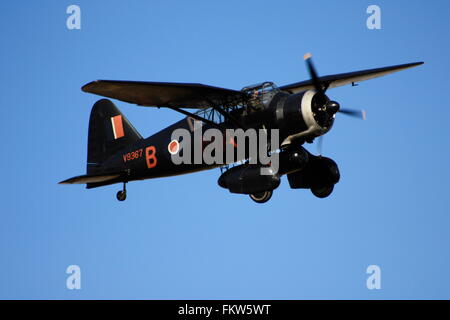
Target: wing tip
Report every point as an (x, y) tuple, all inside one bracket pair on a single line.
[(88, 85), (67, 181), (414, 64)]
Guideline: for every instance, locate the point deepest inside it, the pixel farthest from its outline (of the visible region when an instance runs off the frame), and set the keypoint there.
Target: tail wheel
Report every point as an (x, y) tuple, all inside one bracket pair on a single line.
[(322, 191), (121, 195), (261, 197)]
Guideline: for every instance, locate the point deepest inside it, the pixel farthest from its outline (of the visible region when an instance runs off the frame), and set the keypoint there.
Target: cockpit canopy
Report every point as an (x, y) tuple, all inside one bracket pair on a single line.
[(260, 94), (262, 88)]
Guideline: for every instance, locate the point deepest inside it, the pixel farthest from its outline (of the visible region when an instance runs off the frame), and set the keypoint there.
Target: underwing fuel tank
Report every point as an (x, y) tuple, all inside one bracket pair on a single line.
[(247, 179)]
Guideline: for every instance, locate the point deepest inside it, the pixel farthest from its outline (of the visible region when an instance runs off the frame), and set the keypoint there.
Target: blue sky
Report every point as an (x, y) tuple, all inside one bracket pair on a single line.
[(185, 237)]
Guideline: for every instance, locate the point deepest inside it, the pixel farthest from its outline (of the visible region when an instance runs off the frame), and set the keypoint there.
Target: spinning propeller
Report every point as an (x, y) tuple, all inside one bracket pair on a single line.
[(329, 106)]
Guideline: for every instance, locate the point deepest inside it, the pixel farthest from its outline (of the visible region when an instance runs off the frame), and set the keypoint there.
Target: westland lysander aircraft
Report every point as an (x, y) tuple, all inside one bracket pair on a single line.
[(301, 112)]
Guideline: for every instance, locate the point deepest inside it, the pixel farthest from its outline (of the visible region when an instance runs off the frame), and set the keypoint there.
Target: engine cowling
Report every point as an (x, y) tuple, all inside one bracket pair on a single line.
[(301, 115), (247, 179)]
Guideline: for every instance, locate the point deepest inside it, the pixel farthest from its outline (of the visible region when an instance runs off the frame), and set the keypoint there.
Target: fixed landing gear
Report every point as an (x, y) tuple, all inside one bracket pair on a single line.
[(322, 191), (122, 195), (261, 197)]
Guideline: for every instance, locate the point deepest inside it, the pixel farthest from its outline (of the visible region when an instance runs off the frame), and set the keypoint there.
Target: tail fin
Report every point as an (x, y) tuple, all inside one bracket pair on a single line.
[(109, 132)]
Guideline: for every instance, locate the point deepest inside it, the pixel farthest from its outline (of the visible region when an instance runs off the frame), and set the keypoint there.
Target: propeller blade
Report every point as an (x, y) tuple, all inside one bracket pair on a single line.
[(313, 74), (319, 146), (361, 114)]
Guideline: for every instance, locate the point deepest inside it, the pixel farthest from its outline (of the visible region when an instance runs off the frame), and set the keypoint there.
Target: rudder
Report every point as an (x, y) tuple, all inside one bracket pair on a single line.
[(109, 132)]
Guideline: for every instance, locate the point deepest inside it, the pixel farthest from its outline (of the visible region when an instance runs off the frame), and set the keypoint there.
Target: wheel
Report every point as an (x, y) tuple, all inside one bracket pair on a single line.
[(322, 191), (261, 197), (121, 195)]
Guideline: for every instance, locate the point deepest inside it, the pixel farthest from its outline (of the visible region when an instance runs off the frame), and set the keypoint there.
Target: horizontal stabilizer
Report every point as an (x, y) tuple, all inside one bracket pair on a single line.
[(91, 178)]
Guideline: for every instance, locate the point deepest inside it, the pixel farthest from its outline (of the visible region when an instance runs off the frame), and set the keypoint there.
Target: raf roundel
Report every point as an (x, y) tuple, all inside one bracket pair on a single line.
[(173, 147)]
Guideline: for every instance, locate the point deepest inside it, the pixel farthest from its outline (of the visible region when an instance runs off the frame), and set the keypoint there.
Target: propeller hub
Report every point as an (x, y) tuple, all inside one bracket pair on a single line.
[(332, 107)]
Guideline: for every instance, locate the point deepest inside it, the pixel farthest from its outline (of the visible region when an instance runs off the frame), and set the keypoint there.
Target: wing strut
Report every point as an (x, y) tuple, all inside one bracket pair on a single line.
[(227, 115), (197, 117)]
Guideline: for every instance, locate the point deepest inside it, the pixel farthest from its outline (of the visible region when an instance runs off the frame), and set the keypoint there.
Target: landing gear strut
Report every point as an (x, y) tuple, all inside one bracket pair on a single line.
[(122, 195), (261, 197)]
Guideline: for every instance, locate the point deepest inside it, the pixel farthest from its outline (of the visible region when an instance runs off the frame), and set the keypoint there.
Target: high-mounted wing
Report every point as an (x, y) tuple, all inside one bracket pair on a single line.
[(337, 80), (164, 94)]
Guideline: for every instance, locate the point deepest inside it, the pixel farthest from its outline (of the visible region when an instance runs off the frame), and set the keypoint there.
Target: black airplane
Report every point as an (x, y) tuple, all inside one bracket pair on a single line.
[(301, 112)]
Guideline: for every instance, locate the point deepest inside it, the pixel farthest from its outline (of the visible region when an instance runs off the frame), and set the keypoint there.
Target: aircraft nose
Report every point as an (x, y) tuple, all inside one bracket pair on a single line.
[(332, 107)]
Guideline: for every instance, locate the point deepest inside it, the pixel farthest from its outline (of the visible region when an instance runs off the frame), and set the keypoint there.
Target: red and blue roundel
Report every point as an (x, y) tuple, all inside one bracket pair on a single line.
[(173, 147)]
